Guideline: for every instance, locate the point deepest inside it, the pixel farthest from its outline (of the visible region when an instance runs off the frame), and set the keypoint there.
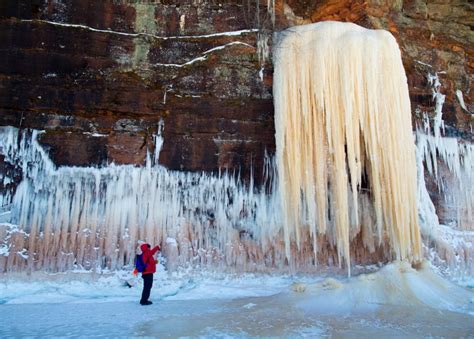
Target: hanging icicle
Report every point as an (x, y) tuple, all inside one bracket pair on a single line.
[(343, 131)]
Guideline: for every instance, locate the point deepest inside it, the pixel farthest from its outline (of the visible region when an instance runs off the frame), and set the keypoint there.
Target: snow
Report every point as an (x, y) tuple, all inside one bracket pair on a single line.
[(423, 63), (109, 286), (187, 63), (200, 36), (50, 75), (396, 300), (226, 45), (203, 57), (96, 135), (4, 250)]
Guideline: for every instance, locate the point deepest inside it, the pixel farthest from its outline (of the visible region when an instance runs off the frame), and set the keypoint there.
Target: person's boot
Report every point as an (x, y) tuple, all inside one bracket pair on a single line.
[(148, 302)]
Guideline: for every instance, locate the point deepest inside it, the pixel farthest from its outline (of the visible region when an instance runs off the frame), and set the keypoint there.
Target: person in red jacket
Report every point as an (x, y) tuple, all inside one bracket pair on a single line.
[(147, 274)]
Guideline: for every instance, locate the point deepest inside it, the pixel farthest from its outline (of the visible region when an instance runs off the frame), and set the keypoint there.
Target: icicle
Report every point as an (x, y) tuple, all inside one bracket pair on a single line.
[(457, 155), (341, 110), (271, 10), (158, 141), (439, 98), (94, 216), (263, 51), (460, 97)]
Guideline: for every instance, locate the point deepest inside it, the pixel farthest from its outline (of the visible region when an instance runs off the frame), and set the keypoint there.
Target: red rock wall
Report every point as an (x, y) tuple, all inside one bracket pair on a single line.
[(100, 95)]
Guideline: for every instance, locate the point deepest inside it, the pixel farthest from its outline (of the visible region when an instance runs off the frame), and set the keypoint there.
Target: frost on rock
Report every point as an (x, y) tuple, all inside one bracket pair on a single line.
[(345, 150)]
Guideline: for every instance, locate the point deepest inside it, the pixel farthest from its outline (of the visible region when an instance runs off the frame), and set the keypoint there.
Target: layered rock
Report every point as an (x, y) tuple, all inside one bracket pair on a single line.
[(99, 76)]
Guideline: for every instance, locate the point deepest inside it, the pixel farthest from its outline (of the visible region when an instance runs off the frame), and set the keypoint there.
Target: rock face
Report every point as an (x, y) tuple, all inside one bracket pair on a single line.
[(101, 76)]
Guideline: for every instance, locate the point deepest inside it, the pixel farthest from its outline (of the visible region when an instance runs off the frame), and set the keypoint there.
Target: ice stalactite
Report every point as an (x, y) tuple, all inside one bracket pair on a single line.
[(92, 217), (449, 162), (450, 246), (344, 138), (271, 10), (456, 184), (456, 155), (438, 98), (263, 51)]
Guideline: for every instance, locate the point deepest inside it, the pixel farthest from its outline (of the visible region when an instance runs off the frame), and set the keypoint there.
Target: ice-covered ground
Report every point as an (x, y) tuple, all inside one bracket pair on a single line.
[(395, 301)]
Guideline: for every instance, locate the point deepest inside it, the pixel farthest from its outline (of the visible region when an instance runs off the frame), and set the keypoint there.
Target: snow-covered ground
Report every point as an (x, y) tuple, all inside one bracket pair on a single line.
[(395, 301)]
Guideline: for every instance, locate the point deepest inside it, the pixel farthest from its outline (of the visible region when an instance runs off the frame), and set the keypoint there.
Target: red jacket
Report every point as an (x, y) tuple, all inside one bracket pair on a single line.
[(148, 258)]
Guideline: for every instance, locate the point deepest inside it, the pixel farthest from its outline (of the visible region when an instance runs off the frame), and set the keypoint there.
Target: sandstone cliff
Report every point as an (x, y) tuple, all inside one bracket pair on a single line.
[(99, 76)]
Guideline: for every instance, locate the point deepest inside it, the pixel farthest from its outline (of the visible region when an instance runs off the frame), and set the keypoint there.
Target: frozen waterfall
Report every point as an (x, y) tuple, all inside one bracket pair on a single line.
[(345, 149)]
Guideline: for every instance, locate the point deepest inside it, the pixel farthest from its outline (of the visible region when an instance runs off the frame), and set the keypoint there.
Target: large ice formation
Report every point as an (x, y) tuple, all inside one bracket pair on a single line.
[(345, 149), (89, 217)]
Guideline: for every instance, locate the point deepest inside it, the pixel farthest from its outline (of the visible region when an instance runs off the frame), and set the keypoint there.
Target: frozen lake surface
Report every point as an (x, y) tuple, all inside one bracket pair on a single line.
[(395, 301), (274, 316)]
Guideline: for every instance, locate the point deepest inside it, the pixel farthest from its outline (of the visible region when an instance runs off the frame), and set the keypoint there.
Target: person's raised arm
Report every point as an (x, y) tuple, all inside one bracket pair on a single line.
[(155, 249)]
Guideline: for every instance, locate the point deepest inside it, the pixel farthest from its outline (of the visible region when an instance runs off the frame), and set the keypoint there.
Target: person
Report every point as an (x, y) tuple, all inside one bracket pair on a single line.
[(147, 274)]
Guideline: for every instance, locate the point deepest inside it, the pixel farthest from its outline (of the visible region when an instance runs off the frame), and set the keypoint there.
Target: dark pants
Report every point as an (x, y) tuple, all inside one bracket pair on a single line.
[(147, 284)]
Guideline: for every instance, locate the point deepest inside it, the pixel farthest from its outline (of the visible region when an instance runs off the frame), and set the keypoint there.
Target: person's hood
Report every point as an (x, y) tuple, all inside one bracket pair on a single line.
[(144, 247)]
